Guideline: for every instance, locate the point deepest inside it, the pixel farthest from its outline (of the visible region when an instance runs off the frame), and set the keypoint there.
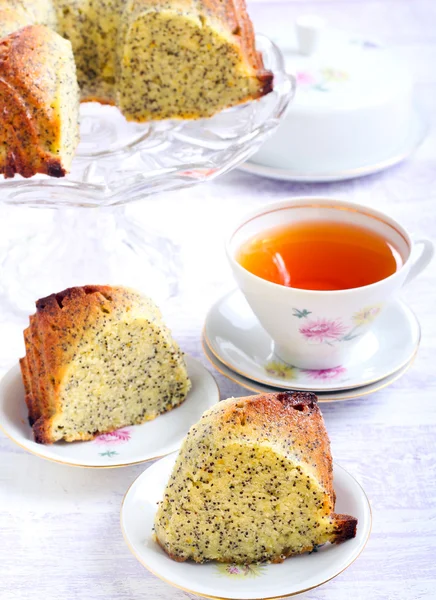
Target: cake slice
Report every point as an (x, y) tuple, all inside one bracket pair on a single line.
[(98, 358), (252, 482), (187, 59), (39, 103), (92, 28)]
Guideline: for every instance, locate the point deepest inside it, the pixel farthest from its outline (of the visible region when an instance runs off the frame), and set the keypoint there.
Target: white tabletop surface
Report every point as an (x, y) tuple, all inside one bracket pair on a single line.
[(59, 526)]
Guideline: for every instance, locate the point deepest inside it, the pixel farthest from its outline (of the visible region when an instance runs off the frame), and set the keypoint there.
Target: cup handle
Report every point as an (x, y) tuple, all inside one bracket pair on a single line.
[(420, 261)]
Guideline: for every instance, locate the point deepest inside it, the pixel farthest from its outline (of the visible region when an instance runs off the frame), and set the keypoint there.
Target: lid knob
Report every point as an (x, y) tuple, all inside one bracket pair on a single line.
[(309, 28)]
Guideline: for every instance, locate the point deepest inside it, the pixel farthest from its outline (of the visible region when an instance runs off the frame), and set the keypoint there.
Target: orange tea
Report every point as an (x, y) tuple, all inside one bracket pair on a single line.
[(320, 255)]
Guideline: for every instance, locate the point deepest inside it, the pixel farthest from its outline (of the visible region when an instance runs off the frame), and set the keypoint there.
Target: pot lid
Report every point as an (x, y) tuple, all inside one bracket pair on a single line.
[(338, 70)]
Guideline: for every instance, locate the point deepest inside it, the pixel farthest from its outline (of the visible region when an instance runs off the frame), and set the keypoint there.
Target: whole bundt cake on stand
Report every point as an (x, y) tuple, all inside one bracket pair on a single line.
[(107, 102), (154, 60)]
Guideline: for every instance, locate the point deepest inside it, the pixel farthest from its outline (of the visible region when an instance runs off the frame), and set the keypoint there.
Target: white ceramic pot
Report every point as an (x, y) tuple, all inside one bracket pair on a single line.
[(353, 106), (317, 329)]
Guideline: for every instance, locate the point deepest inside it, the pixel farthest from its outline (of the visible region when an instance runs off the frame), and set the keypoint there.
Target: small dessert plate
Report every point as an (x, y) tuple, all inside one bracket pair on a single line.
[(230, 581), (345, 170), (127, 446), (236, 338), (340, 396)]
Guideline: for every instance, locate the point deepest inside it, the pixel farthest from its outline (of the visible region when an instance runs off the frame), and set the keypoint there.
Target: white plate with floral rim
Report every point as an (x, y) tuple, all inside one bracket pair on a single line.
[(127, 446), (253, 582), (236, 338), (339, 396)]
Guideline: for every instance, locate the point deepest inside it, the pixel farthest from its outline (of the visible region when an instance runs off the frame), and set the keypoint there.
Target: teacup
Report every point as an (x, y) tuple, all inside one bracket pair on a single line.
[(314, 329)]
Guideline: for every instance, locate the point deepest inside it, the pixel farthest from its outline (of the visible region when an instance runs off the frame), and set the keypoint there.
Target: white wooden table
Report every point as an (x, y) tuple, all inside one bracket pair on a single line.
[(59, 526)]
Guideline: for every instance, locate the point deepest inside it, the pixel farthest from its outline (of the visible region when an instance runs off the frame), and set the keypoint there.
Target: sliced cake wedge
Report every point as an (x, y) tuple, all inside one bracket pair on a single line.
[(252, 482), (98, 358), (187, 59)]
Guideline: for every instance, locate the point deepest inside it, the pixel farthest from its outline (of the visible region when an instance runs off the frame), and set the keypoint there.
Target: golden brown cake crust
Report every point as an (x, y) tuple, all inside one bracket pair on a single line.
[(285, 412), (292, 423), (27, 115), (29, 369), (291, 411), (234, 16), (54, 339), (345, 528), (60, 329)]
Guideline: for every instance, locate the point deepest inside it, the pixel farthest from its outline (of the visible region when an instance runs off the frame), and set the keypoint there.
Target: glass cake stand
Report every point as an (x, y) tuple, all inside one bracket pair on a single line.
[(90, 238)]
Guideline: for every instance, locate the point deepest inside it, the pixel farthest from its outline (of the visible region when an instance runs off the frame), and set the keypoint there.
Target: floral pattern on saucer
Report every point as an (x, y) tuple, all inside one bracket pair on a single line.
[(120, 436), (325, 374), (281, 370), (240, 344), (240, 571), (235, 571)]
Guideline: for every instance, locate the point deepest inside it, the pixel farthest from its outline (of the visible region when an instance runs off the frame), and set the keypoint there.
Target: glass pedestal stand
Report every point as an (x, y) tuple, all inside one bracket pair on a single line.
[(80, 246), (90, 239)]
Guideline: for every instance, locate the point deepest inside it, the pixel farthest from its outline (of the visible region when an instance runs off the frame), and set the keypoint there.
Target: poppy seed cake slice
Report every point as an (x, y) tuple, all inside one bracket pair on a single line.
[(187, 59), (252, 482), (98, 358)]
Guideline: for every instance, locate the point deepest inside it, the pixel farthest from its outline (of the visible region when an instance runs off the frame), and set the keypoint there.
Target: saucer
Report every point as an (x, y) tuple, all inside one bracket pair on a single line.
[(236, 338), (127, 446), (261, 581), (344, 170), (258, 388)]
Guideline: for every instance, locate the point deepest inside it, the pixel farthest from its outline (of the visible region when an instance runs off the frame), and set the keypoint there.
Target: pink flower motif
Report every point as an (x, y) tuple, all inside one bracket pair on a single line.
[(305, 78), (325, 374), (323, 330), (115, 437), (233, 569)]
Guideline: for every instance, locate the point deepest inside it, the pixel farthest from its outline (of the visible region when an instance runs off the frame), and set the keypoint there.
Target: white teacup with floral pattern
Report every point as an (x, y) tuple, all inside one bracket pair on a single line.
[(318, 329)]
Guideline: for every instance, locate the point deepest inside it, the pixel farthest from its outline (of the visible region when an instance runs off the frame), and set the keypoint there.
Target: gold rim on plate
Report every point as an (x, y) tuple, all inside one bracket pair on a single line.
[(401, 371), (187, 590), (80, 466), (205, 339)]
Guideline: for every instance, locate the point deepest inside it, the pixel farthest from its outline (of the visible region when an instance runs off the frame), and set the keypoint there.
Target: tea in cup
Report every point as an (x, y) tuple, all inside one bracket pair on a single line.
[(318, 272)]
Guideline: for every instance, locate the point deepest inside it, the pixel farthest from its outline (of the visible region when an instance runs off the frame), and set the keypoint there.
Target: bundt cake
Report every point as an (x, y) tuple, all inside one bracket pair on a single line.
[(154, 59), (39, 103), (97, 359), (252, 483)]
